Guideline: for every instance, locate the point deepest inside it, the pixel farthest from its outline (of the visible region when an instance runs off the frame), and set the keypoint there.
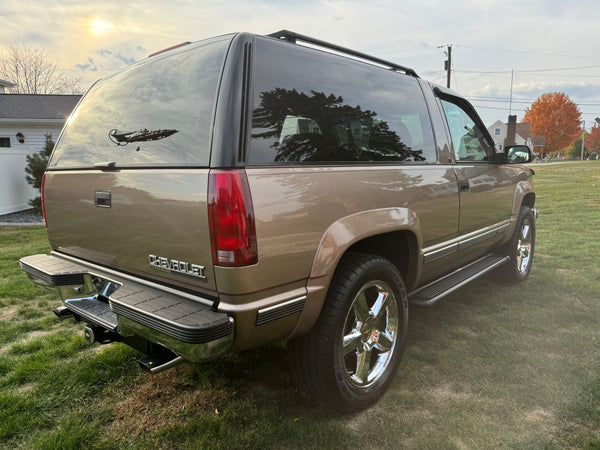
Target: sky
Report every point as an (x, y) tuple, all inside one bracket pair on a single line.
[(537, 46)]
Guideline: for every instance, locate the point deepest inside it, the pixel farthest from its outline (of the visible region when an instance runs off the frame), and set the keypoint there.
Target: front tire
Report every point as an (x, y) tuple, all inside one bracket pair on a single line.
[(349, 358), (520, 248)]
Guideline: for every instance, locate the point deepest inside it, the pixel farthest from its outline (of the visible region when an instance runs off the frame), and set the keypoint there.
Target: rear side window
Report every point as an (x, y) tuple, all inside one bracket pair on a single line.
[(157, 113), (311, 107)]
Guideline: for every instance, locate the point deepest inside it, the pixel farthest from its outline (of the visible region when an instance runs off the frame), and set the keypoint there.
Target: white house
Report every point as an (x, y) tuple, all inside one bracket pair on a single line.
[(523, 135), (5, 85), (24, 120)]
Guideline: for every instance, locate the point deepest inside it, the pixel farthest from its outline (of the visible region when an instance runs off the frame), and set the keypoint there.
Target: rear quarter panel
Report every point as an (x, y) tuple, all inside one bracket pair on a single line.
[(294, 208)]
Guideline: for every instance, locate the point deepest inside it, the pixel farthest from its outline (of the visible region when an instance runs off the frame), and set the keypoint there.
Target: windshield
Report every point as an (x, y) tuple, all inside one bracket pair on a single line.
[(156, 113)]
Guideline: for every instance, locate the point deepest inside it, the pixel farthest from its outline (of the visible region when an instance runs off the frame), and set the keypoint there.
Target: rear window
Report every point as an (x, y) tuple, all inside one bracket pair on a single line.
[(311, 107), (157, 113)]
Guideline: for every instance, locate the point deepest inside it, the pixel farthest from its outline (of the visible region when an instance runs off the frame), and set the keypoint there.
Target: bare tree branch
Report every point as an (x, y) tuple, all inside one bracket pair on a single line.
[(34, 73)]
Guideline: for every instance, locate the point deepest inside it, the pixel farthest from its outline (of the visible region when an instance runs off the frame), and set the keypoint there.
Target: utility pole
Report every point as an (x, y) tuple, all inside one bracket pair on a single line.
[(512, 76), (582, 140), (448, 65)]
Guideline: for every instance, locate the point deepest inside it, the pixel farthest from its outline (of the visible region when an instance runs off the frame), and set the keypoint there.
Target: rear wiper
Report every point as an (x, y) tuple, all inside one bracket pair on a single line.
[(125, 137)]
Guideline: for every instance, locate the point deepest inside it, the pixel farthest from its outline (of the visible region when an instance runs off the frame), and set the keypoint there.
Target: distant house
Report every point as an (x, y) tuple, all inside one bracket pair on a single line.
[(523, 136), (4, 85), (24, 120)]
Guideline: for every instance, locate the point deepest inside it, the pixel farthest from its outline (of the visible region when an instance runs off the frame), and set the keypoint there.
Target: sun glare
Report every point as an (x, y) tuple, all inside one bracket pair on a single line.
[(98, 27)]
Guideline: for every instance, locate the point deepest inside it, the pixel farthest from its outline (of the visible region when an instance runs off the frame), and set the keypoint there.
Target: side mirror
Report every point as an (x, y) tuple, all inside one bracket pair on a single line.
[(518, 154)]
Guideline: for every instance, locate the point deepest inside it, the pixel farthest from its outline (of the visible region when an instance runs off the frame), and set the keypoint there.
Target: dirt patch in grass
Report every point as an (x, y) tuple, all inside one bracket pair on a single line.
[(468, 331), (447, 392), (539, 415), (363, 419), (34, 335), (543, 420), (24, 340), (8, 313), (27, 387), (161, 400)]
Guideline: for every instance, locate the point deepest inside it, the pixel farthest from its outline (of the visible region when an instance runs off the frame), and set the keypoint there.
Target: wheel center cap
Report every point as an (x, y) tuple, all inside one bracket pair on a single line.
[(369, 330)]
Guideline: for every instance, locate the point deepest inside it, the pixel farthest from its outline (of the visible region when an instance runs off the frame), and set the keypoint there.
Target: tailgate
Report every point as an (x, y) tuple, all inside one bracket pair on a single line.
[(126, 185), (150, 223)]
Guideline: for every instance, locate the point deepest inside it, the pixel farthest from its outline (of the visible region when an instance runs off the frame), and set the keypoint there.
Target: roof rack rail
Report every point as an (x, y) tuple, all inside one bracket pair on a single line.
[(292, 37)]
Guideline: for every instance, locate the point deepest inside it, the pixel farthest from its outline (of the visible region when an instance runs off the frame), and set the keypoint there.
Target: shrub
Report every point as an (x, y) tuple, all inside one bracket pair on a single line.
[(36, 166)]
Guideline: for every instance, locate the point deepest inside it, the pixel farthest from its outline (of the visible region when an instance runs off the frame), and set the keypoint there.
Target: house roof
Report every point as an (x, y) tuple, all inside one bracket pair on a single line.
[(524, 130), (6, 83), (36, 107)]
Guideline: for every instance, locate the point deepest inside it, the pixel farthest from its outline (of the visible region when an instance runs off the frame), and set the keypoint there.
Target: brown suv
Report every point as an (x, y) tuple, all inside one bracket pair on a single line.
[(247, 189)]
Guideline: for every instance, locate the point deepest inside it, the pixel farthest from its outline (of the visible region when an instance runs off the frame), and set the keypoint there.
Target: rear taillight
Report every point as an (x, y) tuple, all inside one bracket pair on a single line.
[(42, 197), (231, 219)]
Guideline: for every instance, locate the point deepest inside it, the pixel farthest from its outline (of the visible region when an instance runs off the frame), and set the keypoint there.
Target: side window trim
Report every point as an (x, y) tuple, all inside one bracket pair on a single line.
[(303, 130), (466, 106)]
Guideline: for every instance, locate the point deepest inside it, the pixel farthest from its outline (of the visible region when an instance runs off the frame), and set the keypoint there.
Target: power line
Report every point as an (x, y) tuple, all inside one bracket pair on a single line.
[(522, 100), (556, 70), (528, 53), (522, 110), (530, 70), (501, 109)]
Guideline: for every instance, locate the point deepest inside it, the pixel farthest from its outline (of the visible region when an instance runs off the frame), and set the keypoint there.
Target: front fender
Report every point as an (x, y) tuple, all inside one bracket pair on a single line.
[(522, 189)]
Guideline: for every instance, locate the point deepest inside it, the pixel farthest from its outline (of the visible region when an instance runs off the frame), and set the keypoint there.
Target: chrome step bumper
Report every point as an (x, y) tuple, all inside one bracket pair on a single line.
[(129, 307)]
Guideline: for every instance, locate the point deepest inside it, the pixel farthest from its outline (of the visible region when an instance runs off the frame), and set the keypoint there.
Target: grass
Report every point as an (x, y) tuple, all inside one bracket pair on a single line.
[(509, 366)]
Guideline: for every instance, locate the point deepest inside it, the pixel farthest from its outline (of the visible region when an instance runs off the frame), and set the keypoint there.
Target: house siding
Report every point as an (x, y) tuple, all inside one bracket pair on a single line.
[(499, 140), (15, 192)]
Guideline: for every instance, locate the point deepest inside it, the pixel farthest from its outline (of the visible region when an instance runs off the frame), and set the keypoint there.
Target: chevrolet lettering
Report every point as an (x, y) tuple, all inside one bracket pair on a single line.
[(177, 266), (324, 190)]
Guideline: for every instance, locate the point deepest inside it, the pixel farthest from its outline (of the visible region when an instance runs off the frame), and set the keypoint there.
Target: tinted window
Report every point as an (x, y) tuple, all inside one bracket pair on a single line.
[(468, 138), (4, 142), (311, 106), (158, 113)]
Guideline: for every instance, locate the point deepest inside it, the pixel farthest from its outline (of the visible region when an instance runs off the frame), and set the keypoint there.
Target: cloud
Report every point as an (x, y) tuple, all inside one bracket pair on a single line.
[(127, 60), (580, 91), (106, 61), (533, 89), (89, 65)]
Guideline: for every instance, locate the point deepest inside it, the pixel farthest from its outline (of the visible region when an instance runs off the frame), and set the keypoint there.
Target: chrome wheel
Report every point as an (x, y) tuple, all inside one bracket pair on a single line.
[(349, 358), (524, 245), (520, 249), (370, 334)]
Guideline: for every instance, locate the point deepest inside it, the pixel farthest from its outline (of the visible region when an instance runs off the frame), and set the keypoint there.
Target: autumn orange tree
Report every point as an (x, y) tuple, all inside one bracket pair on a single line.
[(592, 140), (557, 118)]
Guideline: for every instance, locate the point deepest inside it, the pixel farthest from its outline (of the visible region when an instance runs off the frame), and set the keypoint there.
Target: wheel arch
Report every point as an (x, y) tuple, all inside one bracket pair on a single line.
[(393, 233), (529, 200), (524, 196), (399, 247)]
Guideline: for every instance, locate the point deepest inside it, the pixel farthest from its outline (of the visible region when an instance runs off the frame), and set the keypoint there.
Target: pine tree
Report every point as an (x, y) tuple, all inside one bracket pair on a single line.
[(36, 166)]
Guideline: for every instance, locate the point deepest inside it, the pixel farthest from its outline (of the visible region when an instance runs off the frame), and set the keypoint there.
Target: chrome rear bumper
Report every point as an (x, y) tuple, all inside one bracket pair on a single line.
[(126, 307)]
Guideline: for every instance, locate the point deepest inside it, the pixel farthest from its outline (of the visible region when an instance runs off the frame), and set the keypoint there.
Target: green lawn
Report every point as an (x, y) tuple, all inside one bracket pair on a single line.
[(489, 366)]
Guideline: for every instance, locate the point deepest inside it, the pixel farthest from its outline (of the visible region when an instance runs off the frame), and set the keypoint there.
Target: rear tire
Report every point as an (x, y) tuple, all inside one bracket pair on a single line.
[(520, 249), (349, 358)]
